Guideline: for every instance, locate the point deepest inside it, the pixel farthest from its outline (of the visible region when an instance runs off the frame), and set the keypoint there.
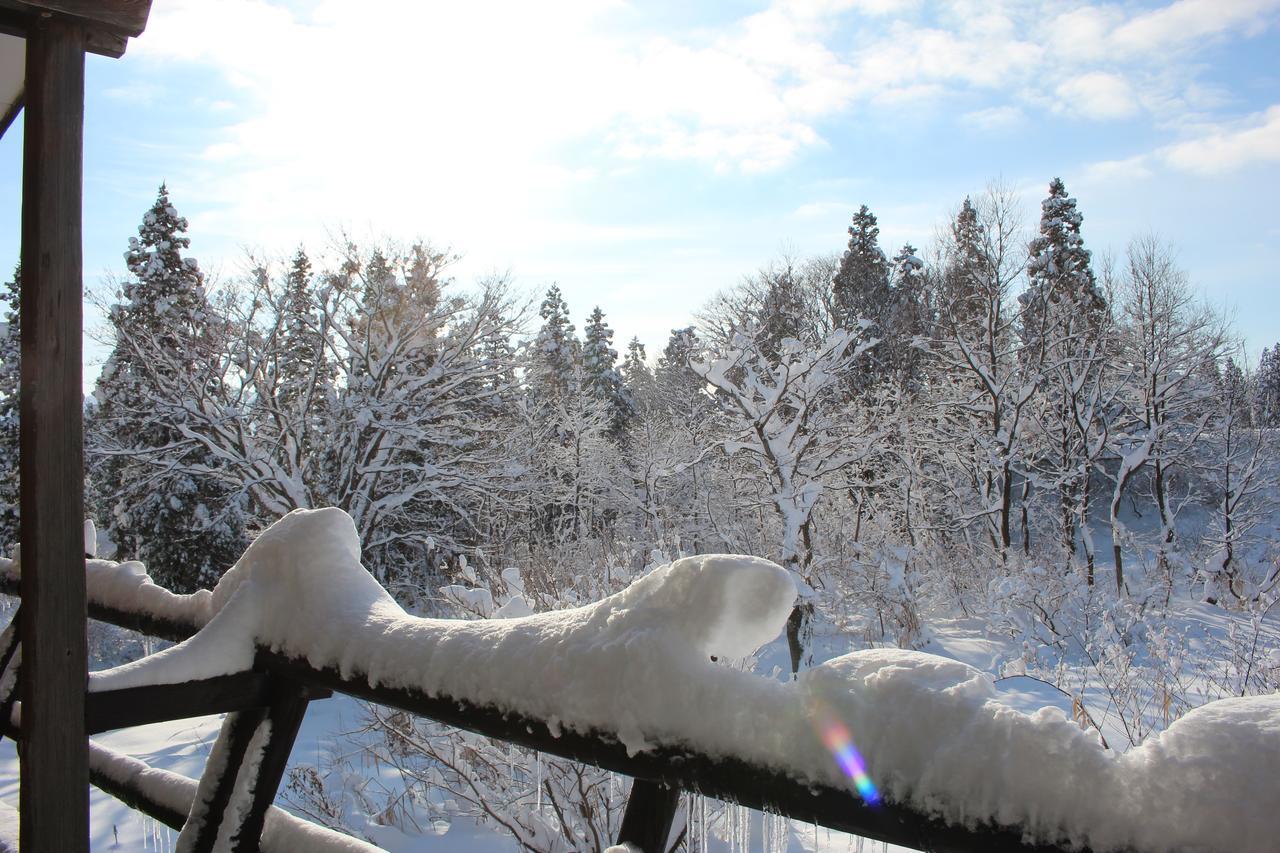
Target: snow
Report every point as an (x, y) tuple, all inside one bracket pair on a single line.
[(8, 828), (933, 732), (282, 832)]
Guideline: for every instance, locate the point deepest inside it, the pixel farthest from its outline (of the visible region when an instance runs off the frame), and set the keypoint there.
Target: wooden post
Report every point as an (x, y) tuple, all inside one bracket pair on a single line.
[(55, 752), (646, 823)]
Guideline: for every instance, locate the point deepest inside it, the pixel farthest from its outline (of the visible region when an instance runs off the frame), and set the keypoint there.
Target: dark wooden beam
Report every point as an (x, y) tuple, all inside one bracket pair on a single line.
[(125, 17), (730, 779), (288, 707), (155, 703), (646, 823), (232, 743), (54, 800), (17, 18)]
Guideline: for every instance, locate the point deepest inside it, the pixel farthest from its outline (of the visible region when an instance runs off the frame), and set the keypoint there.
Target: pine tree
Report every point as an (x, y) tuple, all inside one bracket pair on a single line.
[(305, 370), (10, 350), (908, 316), (600, 376), (1267, 391), (861, 291), (964, 286), (1059, 272), (1236, 390), (781, 310), (185, 526), (681, 389), (556, 351), (1063, 313), (861, 285), (636, 374)]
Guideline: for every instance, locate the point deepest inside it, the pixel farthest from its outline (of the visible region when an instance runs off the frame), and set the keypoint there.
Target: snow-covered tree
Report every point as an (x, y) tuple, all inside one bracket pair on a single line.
[(600, 376), (1239, 467), (680, 389), (1167, 336), (981, 386), (861, 292), (164, 505), (637, 376), (783, 416), (1060, 279), (553, 363), (1065, 326), (10, 352), (908, 316), (1267, 388)]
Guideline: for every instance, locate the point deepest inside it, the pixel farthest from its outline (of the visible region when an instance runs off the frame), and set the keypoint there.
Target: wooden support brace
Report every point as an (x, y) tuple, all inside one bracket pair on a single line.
[(271, 730), (288, 706), (219, 781), (646, 823)]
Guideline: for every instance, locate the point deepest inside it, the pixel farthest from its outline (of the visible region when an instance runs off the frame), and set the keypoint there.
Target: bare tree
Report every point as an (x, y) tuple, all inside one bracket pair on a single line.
[(1167, 338)]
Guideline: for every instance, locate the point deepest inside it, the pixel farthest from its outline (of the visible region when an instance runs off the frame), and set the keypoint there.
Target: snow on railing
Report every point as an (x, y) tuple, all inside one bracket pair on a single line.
[(629, 683)]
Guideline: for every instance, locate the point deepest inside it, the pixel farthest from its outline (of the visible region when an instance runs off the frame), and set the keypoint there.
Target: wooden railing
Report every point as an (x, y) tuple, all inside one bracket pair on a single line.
[(279, 687)]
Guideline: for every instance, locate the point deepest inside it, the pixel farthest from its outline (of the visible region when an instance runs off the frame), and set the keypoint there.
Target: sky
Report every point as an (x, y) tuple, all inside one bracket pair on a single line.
[(645, 155)]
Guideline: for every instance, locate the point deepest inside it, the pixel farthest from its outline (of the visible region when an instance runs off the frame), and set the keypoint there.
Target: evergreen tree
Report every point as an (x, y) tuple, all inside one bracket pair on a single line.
[(1236, 390), (556, 351), (963, 288), (680, 388), (1059, 272), (636, 375), (600, 376), (908, 316), (305, 369), (10, 350), (782, 311), (861, 285), (187, 527), (1267, 390), (861, 292)]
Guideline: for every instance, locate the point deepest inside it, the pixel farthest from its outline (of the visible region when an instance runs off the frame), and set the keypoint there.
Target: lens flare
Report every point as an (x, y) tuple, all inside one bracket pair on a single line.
[(835, 735)]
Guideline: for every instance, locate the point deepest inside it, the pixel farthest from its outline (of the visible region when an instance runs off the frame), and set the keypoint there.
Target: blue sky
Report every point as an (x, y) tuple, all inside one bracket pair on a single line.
[(646, 155)]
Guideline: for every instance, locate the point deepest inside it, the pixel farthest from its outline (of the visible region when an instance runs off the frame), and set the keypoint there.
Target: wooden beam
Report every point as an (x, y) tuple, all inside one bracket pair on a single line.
[(732, 779), (155, 703), (17, 19), (217, 783), (288, 707), (54, 800), (651, 808), (125, 17)]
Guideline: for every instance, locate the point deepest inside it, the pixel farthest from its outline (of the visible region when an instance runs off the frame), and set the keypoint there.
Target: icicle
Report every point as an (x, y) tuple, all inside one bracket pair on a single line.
[(537, 760)]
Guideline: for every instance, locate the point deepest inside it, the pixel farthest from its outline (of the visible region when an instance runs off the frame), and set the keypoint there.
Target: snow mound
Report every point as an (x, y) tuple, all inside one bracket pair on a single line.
[(637, 666)]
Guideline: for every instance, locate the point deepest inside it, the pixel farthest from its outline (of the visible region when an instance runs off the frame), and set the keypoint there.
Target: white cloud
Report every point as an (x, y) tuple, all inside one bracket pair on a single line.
[(1110, 172), (1097, 95), (994, 118), (1253, 141), (1188, 22), (1216, 150)]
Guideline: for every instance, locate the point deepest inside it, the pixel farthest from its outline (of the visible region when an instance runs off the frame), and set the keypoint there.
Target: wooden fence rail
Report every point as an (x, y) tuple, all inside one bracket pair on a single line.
[(659, 773)]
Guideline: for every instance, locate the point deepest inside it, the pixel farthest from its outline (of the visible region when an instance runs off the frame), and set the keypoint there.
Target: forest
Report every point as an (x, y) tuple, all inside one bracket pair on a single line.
[(1003, 432)]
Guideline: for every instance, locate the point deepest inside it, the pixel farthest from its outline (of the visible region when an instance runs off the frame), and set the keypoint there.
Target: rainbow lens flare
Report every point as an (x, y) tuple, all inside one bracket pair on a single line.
[(835, 735)]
